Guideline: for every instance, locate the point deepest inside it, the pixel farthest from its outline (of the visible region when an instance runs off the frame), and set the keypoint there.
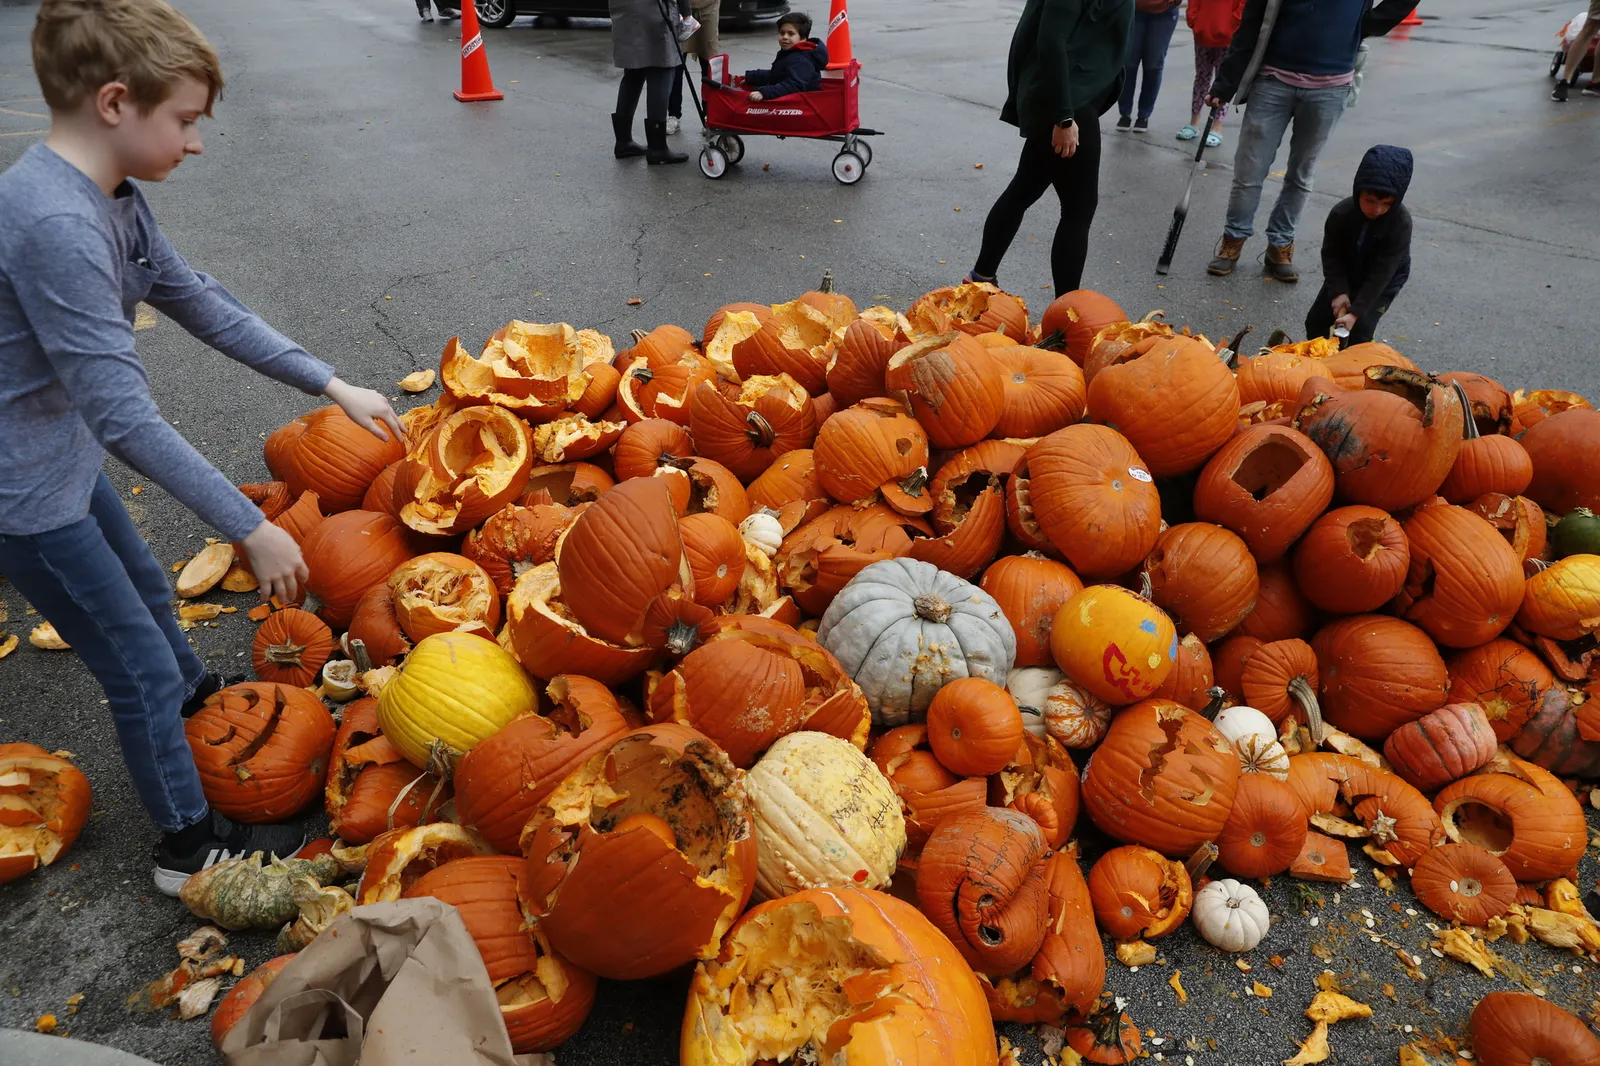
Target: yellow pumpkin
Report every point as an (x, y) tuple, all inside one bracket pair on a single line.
[(1114, 643), (1562, 601), (456, 688)]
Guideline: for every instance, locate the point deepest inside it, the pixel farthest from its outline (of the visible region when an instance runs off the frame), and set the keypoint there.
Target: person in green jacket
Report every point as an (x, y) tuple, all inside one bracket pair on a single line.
[(1065, 71)]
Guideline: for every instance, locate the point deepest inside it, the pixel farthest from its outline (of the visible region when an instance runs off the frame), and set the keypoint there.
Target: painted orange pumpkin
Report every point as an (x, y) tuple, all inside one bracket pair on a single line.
[(1116, 644)]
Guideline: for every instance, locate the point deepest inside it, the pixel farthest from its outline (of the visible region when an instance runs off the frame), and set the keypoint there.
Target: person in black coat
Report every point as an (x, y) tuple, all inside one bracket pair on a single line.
[(1366, 248), (800, 63)]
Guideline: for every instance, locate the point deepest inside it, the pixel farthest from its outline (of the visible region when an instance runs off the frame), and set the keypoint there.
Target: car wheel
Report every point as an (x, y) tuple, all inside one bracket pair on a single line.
[(496, 13)]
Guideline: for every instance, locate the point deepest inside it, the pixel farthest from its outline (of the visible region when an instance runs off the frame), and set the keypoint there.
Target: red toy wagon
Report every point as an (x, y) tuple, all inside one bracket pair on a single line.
[(827, 114)]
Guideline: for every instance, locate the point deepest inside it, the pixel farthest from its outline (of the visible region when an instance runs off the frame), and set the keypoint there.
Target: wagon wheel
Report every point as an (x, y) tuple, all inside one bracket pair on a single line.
[(863, 149), (732, 146), (848, 167), (713, 161)]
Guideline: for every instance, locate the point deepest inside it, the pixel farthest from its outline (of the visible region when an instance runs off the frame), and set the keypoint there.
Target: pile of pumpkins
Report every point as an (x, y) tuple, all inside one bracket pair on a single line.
[(850, 611)]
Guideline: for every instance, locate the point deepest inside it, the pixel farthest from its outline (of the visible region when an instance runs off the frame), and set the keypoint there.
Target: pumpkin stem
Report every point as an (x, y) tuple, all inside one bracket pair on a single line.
[(931, 608), (677, 462), (1216, 696), (760, 432), (682, 638), (284, 654), (915, 481), (1469, 425), (1535, 565), (637, 335), (827, 282), (442, 760), (1303, 694), (642, 374), (1053, 342), (358, 652), (1146, 590), (1232, 358), (1201, 861)]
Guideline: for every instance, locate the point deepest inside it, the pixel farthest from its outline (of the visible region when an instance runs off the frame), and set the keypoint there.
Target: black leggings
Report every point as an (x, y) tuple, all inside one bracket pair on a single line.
[(1077, 185), (659, 81), (675, 101)]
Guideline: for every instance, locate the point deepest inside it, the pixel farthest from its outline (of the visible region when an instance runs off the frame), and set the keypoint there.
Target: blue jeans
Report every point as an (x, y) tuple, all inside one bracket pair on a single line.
[(108, 597), (1271, 108), (1147, 46)]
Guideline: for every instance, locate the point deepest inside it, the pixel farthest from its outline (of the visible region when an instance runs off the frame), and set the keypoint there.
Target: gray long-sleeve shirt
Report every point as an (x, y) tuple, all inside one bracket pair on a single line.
[(74, 263)]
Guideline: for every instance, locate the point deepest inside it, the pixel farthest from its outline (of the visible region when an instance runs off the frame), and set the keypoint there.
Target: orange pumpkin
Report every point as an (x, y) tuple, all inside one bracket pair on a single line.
[(290, 647), (663, 370), (747, 428), (375, 624), (981, 881), (1177, 403), (739, 694), (1348, 367), (1069, 971), (1266, 828), (1520, 812), (928, 792), (1352, 560), (535, 369), (858, 355), (1078, 316), (1565, 452), (954, 386), (791, 490), (544, 999), (818, 559), (1094, 498), (1488, 400), (599, 877), (1487, 464), (348, 554), (1506, 679), (1030, 589), (1107, 1037), (1463, 883), (1521, 1029), (1116, 644), (1377, 674), (242, 996), (620, 556), (875, 447), (1044, 391), (1163, 777), (1139, 893), (1228, 664), (716, 556), (301, 517), (1268, 484), (506, 776), (1204, 577), (974, 726), (1281, 612), (358, 745), (324, 452), (648, 445), (261, 750), (1441, 746), (515, 539), (474, 463), (442, 593), (386, 796), (1465, 583), (1192, 675), (1280, 679)]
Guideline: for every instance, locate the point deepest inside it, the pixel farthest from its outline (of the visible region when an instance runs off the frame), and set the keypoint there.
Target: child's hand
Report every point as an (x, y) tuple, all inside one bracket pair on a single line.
[(277, 562), (1341, 303), (367, 409), (757, 97), (1345, 321)]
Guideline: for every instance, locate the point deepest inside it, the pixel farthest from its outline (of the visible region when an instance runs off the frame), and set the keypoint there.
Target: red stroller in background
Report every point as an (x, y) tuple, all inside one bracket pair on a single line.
[(827, 114)]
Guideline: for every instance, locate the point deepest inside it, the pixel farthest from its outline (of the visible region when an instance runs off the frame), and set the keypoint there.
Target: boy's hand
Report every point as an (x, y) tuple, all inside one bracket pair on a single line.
[(277, 562), (367, 409), (1345, 321), (757, 97), (1341, 303)]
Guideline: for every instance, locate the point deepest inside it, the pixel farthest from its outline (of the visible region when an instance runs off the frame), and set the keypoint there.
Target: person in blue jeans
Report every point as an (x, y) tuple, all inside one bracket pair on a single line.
[(1293, 63), (1153, 23), (127, 82)]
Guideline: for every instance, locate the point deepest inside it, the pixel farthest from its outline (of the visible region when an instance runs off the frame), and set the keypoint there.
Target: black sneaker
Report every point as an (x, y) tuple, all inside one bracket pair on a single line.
[(1124, 122), (222, 838), (1141, 124), (449, 13), (1559, 93), (1592, 89), (210, 685)]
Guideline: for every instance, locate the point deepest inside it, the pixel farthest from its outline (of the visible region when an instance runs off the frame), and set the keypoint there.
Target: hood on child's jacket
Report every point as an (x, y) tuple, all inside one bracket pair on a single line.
[(812, 49), (1385, 169)]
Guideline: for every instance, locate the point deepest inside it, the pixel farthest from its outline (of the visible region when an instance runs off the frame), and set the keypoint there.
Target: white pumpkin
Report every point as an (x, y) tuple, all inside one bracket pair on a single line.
[(824, 816), (764, 531), (1230, 915), (902, 628), (1073, 715), (1253, 738)]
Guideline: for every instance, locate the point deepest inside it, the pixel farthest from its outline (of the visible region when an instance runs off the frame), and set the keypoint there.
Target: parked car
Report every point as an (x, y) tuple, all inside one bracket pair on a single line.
[(502, 13)]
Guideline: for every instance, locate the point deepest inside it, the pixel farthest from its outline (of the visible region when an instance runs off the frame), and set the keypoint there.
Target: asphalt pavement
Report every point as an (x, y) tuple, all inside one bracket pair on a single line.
[(345, 195)]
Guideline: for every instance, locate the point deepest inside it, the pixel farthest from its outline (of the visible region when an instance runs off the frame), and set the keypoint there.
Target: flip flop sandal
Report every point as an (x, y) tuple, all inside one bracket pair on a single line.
[(1213, 139), (1188, 133)]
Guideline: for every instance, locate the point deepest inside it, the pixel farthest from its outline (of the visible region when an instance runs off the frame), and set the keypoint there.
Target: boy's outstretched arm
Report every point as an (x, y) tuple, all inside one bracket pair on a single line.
[(1335, 272)]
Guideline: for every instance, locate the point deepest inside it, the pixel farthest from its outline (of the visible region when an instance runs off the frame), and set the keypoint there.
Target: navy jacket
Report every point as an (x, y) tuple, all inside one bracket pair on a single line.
[(1308, 37), (796, 70), (1369, 259)]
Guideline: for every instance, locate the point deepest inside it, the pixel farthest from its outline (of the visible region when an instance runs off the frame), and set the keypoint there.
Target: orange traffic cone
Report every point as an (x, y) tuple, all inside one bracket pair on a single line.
[(1411, 19), (476, 84), (838, 36)]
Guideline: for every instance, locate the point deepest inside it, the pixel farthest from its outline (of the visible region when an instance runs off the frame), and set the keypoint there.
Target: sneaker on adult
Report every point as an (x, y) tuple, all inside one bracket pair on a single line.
[(425, 14), (674, 124), (215, 838), (1559, 93), (446, 14), (1125, 122), (1141, 124), (1227, 257), (1591, 89), (1279, 264)]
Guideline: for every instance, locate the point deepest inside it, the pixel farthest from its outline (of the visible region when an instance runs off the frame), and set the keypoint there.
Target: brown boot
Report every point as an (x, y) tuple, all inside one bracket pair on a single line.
[(1227, 257), (1280, 263)]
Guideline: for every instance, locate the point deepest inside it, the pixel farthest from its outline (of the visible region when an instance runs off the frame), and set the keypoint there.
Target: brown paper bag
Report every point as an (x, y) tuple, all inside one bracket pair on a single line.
[(384, 985)]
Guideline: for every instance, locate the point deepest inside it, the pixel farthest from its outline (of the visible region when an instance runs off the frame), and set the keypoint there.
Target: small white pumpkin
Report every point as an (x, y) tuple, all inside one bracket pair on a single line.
[(1230, 915), (1253, 738), (824, 816), (1073, 715), (902, 628), (763, 530)]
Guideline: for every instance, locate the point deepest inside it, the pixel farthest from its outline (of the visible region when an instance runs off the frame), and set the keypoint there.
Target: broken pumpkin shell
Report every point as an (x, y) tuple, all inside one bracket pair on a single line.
[(1137, 892), (398, 859), (1041, 782), (747, 428), (515, 539), (1464, 883), (444, 593), (1267, 484), (1518, 811), (981, 881), (472, 464), (875, 447), (44, 802), (534, 369), (547, 639), (1395, 815)]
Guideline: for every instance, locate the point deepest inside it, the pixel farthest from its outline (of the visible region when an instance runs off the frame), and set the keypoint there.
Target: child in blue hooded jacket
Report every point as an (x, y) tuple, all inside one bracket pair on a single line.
[(799, 66), (1366, 248)]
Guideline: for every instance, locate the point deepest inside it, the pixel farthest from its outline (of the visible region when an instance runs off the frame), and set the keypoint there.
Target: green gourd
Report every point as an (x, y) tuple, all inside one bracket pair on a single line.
[(1576, 534)]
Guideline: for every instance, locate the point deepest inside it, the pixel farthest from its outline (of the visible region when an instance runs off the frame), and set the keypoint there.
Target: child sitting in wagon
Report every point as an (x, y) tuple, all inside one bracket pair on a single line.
[(800, 63)]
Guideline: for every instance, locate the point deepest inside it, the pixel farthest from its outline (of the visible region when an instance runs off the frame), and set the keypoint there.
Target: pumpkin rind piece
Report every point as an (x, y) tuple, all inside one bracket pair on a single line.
[(474, 463), (547, 640), (869, 980), (44, 802), (902, 629), (1094, 498), (1322, 858), (1041, 781), (242, 996), (1163, 777), (399, 858), (1397, 816), (816, 561), (642, 858), (534, 369), (442, 592)]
